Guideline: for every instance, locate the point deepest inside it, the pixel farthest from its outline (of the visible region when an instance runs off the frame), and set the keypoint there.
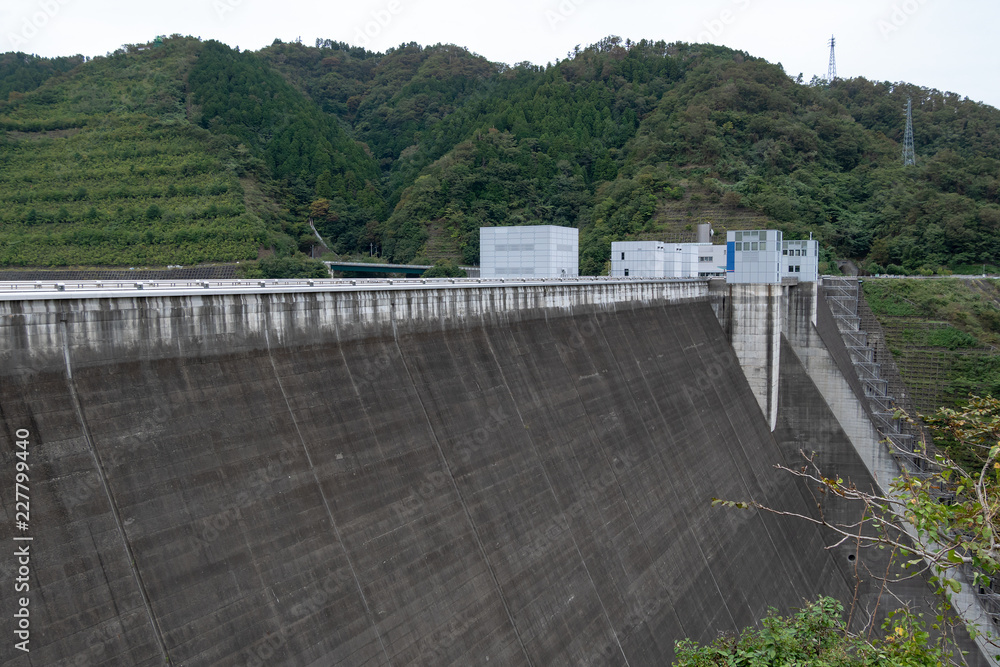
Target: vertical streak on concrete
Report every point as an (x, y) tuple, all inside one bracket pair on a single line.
[(739, 471), (326, 504), (458, 492), (772, 372), (755, 319), (639, 531), (737, 468), (354, 384), (555, 499), (99, 465)]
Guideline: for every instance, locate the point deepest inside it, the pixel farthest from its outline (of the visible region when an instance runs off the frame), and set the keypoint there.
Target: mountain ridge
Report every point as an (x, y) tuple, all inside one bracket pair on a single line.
[(412, 150)]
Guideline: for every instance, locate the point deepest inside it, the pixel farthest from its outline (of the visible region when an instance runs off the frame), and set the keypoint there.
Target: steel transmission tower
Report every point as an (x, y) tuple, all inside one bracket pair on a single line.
[(909, 157), (831, 73)]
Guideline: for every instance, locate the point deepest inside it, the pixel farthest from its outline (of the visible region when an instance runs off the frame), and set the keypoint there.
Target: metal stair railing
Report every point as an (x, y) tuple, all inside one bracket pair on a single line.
[(843, 296)]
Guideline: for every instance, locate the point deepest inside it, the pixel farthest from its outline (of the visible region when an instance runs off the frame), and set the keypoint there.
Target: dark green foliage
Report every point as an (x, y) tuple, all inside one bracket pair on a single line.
[(103, 167), (582, 110), (625, 208), (797, 154), (124, 179), (241, 96), (22, 73), (412, 150), (444, 269), (816, 636), (951, 338), (388, 98), (298, 266), (488, 181), (972, 307)]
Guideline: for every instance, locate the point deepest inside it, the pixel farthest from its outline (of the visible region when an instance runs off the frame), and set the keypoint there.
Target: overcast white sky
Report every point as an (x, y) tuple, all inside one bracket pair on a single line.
[(951, 46)]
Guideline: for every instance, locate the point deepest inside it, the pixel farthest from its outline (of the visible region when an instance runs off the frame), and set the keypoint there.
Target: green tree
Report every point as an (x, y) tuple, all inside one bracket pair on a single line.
[(444, 268), (937, 521), (816, 636), (298, 266)]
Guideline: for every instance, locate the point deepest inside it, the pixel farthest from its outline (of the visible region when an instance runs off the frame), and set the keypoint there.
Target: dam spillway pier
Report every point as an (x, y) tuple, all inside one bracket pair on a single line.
[(410, 473)]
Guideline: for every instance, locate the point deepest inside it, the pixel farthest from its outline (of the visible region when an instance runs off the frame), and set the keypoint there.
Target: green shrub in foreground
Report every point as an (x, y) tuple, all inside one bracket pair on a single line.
[(816, 636)]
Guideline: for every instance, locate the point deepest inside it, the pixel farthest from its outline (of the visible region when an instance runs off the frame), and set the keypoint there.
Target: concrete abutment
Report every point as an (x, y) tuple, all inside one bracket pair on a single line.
[(402, 476)]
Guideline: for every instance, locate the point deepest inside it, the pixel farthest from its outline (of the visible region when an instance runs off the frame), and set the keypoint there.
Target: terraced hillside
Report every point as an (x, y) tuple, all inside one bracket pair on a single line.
[(944, 335), (102, 167), (143, 158)]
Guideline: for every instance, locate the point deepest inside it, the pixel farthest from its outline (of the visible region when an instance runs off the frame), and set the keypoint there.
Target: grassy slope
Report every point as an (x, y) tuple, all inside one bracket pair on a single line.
[(943, 334)]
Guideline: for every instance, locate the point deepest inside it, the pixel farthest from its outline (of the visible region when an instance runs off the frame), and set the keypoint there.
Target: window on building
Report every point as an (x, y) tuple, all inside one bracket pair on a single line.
[(626, 273), (784, 251), (623, 255)]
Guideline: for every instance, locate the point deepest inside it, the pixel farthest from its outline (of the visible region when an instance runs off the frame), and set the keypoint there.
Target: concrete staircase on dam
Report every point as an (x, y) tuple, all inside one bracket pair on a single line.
[(842, 297), (886, 396)]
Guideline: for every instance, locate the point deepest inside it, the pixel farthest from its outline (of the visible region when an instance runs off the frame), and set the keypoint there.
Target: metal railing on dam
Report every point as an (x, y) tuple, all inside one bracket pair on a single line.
[(29, 290)]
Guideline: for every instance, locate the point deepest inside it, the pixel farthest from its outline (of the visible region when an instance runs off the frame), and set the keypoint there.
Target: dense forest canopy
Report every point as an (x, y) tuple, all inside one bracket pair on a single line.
[(182, 151)]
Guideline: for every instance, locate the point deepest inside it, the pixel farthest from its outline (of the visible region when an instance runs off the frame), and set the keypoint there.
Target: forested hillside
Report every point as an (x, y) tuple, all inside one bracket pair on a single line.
[(21, 72), (190, 151), (179, 153)]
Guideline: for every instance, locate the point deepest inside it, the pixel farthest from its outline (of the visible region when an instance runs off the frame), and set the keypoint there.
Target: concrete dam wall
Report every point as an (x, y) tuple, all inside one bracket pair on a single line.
[(504, 476)]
